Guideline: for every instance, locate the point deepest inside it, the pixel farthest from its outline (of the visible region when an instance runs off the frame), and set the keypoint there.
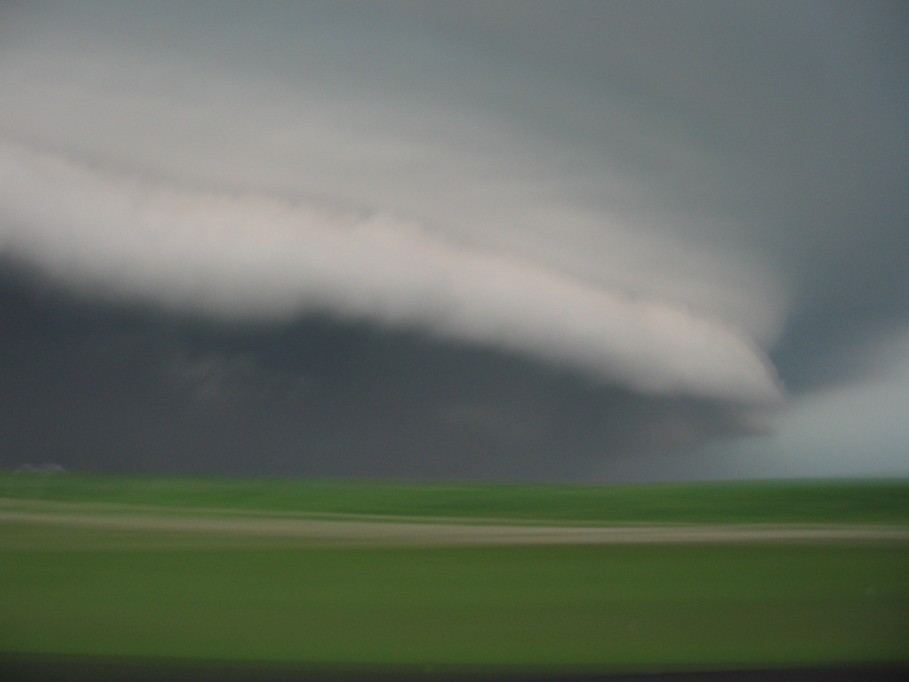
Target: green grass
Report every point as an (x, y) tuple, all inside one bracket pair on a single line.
[(778, 502), (69, 589), (606, 607)]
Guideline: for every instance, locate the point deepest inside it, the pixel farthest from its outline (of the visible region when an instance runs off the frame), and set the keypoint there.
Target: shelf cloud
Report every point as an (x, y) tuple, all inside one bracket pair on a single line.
[(623, 239), (259, 257)]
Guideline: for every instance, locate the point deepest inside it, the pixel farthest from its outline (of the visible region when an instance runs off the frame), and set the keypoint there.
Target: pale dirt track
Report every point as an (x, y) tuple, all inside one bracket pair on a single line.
[(383, 531)]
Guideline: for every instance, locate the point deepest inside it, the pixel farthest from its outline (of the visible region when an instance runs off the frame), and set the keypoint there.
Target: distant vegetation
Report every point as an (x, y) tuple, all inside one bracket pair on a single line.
[(885, 502)]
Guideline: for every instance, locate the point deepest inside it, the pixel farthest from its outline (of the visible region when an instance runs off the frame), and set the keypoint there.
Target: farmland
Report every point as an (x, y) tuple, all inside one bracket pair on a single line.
[(233, 570), (738, 502)]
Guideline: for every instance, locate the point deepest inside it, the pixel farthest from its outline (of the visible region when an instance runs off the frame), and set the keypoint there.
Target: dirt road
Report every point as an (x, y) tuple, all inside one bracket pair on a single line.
[(389, 531)]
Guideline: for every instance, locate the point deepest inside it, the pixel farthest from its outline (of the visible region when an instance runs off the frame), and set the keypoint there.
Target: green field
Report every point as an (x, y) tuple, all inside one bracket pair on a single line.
[(777, 502), (74, 589)]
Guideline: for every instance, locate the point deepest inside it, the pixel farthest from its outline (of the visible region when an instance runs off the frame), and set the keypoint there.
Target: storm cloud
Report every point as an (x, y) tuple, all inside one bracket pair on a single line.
[(254, 256), (642, 234)]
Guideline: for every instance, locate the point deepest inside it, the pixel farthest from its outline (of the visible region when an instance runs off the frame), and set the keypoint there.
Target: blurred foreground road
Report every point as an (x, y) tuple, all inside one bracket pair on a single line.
[(65, 669)]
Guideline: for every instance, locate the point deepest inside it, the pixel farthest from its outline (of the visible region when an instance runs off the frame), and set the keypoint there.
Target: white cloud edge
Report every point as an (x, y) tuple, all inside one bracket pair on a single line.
[(259, 256)]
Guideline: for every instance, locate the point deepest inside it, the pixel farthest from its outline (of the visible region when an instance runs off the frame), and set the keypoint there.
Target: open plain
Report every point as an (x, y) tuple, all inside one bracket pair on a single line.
[(98, 574)]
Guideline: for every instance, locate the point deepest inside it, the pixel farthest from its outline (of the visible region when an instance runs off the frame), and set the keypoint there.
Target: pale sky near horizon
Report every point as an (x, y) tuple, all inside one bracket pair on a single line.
[(513, 240)]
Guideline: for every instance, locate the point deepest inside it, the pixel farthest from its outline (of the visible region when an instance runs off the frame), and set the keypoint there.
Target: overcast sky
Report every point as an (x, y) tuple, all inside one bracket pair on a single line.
[(590, 241)]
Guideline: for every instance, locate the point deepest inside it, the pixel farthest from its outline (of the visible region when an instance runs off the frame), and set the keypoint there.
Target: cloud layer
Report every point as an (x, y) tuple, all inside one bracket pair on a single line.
[(256, 256), (677, 202)]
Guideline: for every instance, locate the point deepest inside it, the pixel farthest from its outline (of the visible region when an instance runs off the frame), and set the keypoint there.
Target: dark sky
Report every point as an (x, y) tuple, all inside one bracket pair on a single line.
[(528, 240)]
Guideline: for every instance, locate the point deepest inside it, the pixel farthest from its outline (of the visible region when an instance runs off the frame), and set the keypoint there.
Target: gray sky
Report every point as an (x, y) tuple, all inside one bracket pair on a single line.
[(569, 240)]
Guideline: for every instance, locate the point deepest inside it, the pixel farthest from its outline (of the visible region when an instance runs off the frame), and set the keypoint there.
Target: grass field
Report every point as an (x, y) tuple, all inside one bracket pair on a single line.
[(70, 588), (747, 502)]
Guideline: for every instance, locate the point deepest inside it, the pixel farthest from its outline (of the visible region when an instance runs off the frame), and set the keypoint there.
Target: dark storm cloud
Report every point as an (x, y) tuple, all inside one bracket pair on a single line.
[(257, 256), (116, 388), (793, 114), (589, 233)]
